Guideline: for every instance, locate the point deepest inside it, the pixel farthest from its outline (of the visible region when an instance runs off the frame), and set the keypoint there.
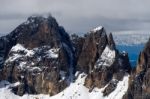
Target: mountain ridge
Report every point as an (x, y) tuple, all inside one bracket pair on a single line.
[(39, 57)]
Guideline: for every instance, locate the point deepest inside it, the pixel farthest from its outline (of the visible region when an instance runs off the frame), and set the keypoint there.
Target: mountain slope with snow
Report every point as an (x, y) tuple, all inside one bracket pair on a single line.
[(76, 90), (40, 61)]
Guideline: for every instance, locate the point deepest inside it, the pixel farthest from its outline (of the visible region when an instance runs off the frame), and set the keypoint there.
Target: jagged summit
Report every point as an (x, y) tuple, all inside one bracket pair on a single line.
[(93, 46), (37, 50), (38, 18), (42, 59), (102, 62), (40, 31), (111, 42), (139, 87)]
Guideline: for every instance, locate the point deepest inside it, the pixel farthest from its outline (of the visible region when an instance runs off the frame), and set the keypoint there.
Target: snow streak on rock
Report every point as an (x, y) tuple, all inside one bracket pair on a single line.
[(107, 58), (97, 29), (19, 52)]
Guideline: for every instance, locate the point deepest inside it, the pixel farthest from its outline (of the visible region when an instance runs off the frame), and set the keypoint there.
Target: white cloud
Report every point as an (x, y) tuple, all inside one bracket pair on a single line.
[(79, 15)]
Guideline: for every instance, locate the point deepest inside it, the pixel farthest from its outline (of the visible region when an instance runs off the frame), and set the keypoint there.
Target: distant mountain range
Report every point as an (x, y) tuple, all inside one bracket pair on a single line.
[(131, 37)]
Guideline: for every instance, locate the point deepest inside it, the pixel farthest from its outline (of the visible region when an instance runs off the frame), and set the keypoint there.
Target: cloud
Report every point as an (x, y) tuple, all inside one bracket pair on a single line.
[(79, 15)]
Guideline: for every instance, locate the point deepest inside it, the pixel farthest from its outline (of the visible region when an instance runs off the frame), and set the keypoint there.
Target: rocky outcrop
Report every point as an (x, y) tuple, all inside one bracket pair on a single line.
[(111, 65), (111, 42), (139, 87), (101, 61), (94, 44), (6, 42), (39, 54)]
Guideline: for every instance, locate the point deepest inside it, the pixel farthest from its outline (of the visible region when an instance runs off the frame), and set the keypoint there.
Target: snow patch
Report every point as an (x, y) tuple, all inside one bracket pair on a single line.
[(13, 57), (52, 53), (97, 29), (63, 75), (22, 55), (120, 90), (107, 58), (19, 47), (22, 65), (34, 68)]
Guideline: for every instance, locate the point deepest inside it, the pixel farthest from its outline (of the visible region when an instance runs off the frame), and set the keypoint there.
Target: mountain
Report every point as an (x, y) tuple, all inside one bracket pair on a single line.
[(40, 60), (39, 55), (130, 38), (139, 87), (132, 42)]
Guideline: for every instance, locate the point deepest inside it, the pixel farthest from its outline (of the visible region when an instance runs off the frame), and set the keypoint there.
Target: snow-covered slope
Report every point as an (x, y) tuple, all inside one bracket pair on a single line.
[(20, 52), (131, 37), (107, 58), (76, 90)]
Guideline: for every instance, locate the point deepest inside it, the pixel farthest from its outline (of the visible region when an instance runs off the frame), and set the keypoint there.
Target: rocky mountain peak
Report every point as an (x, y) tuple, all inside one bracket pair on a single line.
[(40, 31), (142, 62), (92, 48), (111, 42), (38, 52), (139, 87), (101, 61), (38, 19), (40, 55)]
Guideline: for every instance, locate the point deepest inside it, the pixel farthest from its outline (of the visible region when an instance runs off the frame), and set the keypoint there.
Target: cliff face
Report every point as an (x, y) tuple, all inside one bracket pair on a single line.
[(41, 56), (139, 87), (102, 62), (94, 44)]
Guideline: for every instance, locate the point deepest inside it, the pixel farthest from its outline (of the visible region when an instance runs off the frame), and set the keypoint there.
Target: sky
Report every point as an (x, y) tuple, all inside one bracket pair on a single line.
[(79, 16)]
